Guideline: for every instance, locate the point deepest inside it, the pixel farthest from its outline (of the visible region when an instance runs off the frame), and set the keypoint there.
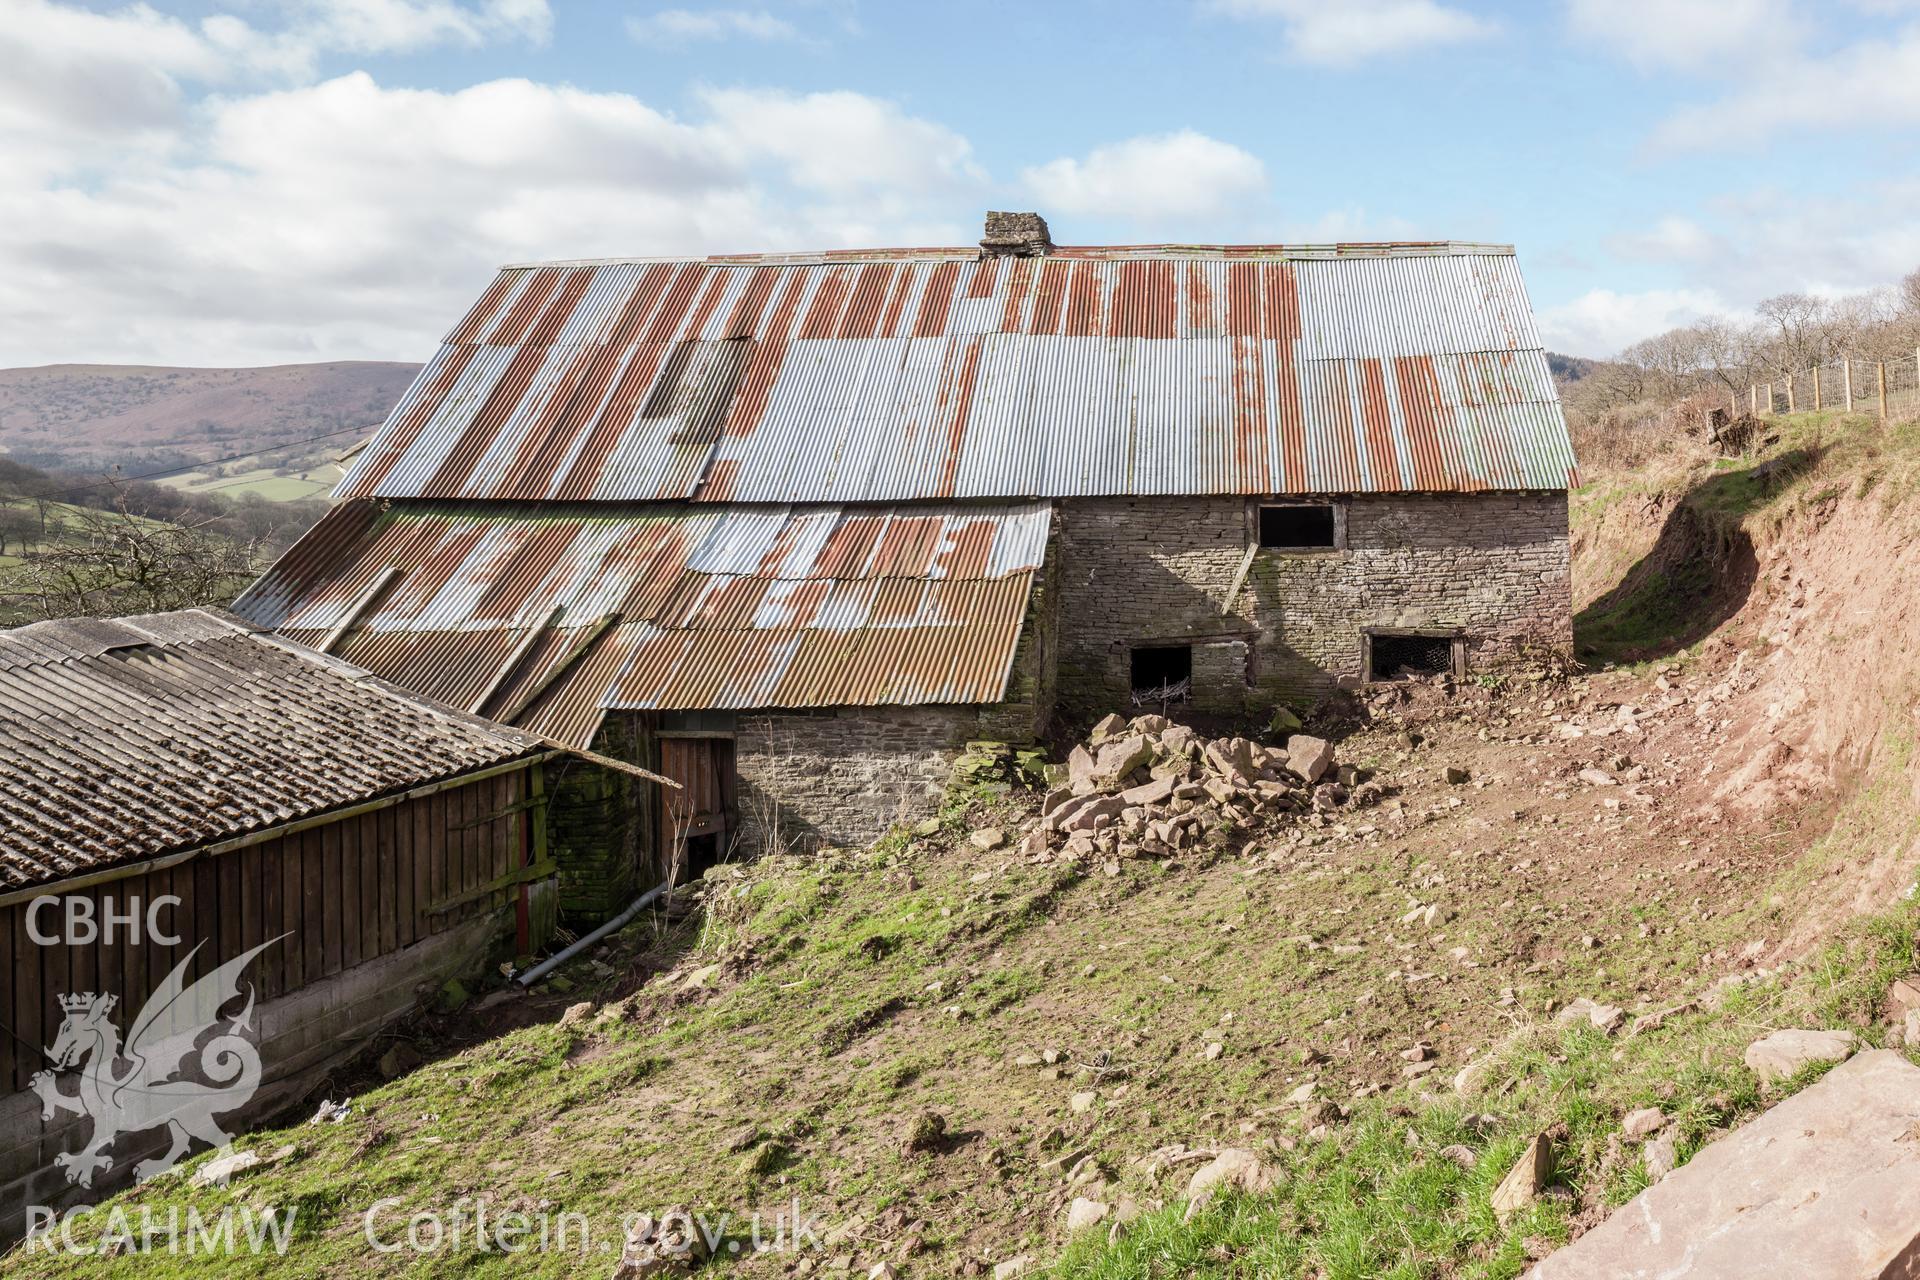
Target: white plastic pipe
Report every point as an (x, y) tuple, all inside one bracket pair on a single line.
[(541, 970)]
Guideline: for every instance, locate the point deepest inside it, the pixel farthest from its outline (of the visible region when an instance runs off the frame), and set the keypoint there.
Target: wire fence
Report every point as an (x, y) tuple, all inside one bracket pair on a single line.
[(1888, 388)]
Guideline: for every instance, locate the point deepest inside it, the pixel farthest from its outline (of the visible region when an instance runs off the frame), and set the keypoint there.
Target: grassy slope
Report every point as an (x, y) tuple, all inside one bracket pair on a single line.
[(855, 990)]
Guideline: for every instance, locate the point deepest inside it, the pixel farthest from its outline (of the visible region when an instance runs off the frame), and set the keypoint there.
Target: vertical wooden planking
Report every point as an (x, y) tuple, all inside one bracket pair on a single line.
[(344, 895), (313, 875), (470, 828), (28, 995), (186, 915), (273, 961), (390, 819), (11, 1077), (507, 829), (292, 887), (331, 900), (471, 816), (419, 872), (83, 959), (437, 856), (370, 825), (253, 926), (134, 950), (157, 958), (205, 887), (229, 873), (110, 966)]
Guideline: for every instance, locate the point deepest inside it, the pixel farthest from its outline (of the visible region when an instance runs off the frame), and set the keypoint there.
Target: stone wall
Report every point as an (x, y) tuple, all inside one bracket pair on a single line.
[(843, 777), (1140, 571)]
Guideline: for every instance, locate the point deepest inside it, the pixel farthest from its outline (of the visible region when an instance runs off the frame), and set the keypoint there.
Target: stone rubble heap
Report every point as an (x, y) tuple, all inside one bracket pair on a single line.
[(1149, 787)]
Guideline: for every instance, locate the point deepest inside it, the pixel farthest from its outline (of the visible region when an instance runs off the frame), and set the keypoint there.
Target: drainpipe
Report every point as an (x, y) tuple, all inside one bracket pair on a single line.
[(541, 970)]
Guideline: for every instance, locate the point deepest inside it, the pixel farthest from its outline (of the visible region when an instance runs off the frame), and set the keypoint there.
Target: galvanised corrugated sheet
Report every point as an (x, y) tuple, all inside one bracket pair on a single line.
[(127, 739), (733, 606), (937, 374)]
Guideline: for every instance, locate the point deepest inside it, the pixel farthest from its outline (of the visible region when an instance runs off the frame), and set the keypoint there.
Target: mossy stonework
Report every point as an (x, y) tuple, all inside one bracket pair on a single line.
[(599, 823)]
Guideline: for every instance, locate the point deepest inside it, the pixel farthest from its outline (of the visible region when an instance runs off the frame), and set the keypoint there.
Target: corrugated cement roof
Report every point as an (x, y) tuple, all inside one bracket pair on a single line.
[(549, 616), (126, 739), (936, 374)]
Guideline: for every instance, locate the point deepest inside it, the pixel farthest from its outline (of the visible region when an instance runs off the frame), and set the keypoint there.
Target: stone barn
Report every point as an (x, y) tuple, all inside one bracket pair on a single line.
[(793, 528)]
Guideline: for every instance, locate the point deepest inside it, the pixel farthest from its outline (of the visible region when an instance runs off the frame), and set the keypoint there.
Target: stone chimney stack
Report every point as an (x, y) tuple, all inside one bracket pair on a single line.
[(1016, 235)]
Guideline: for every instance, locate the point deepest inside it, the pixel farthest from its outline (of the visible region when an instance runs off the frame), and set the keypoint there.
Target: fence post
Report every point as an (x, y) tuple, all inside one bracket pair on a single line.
[(1816, 386), (1790, 405), (1846, 368), (1882, 367), (1733, 404), (1769, 399), (1753, 400)]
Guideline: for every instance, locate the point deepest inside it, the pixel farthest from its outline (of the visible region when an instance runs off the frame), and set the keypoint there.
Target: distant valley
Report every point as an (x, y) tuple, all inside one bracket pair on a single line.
[(92, 418)]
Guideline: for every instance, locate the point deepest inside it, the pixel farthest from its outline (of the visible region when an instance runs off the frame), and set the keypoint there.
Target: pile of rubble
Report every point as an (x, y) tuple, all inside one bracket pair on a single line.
[(1151, 787)]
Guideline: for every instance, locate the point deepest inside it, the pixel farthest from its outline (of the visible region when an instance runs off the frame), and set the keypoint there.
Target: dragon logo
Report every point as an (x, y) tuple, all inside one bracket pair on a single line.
[(134, 1087)]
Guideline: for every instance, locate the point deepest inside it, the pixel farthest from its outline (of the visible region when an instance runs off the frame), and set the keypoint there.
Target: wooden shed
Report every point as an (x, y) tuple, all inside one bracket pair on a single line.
[(184, 787)]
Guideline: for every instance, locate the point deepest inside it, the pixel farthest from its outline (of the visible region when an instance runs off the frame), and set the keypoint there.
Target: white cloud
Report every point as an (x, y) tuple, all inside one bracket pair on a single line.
[(684, 26), (77, 78), (349, 219), (1671, 239), (395, 26), (1601, 322), (1156, 178), (839, 143), (1782, 70), (1348, 33), (1767, 241), (1874, 84), (1689, 34)]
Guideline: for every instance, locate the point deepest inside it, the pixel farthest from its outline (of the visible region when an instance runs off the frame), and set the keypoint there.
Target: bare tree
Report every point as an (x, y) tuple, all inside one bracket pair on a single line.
[(1798, 331), (118, 562), (18, 526)]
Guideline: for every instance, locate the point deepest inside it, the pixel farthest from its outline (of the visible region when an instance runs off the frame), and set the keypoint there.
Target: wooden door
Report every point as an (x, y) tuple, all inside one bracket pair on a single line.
[(702, 807)]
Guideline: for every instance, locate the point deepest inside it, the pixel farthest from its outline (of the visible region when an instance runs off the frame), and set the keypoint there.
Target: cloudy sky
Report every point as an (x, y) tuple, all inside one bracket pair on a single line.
[(260, 181)]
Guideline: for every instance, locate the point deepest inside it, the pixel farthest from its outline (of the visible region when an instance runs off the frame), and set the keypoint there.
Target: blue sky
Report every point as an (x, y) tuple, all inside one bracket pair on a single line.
[(258, 181)]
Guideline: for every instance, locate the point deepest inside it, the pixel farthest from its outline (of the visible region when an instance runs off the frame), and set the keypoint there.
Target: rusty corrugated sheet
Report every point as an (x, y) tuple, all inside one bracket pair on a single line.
[(936, 374), (127, 739), (732, 606)]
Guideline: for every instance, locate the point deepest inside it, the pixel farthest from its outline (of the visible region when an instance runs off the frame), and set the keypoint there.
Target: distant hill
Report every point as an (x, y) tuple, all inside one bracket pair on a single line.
[(1572, 368), (91, 417)]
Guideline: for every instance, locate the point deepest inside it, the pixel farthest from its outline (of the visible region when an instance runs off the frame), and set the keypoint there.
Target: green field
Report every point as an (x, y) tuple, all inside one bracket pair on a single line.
[(314, 482)]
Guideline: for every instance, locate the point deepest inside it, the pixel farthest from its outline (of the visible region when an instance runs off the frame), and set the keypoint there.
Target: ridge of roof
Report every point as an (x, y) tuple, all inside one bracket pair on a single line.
[(967, 253)]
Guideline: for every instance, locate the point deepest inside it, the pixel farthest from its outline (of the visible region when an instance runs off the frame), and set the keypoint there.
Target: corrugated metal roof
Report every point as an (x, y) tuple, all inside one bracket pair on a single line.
[(126, 739), (713, 607), (904, 375)]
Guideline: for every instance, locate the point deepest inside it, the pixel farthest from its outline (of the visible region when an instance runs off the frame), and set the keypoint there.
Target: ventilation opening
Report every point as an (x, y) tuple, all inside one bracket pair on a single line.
[(1162, 674), (1295, 527), (1398, 657)]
